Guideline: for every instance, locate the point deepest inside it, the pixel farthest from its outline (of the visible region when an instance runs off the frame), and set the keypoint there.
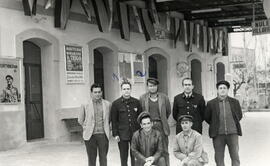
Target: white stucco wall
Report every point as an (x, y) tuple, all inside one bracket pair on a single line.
[(13, 23)]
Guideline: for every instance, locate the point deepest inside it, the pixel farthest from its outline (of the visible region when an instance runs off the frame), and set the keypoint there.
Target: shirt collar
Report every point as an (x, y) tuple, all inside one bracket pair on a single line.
[(96, 101), (222, 99), (186, 96), (126, 100), (189, 134)]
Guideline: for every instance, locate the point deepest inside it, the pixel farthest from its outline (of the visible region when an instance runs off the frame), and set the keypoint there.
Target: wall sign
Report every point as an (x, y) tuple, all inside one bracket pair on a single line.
[(10, 91), (261, 27), (74, 65)]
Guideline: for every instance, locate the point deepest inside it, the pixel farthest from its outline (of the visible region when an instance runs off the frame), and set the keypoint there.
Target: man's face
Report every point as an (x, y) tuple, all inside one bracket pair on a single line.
[(186, 125), (126, 90), (146, 124), (152, 88), (9, 81), (96, 93), (188, 86), (222, 90)]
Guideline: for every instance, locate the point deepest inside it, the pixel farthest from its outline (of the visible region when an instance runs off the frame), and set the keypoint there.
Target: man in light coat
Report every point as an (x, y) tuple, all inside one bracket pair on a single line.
[(94, 117)]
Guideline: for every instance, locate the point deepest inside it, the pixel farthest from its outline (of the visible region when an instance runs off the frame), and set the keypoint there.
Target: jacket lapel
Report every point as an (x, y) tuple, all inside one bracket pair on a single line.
[(217, 107), (91, 108), (104, 109), (147, 102), (159, 103)]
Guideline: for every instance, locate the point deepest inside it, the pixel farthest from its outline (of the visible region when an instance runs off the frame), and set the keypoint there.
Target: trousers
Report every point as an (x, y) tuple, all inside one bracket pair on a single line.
[(100, 143), (124, 148), (231, 141)]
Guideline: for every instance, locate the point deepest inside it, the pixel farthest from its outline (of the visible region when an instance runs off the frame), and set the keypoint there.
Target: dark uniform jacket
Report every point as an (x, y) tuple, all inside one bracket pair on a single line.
[(124, 113), (139, 147), (194, 106), (212, 115)]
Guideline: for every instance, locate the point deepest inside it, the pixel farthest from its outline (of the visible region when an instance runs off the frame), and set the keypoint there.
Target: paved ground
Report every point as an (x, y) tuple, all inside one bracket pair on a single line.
[(254, 148)]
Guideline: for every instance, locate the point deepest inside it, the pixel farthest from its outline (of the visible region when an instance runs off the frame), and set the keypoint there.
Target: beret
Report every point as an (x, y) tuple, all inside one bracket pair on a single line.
[(153, 81), (143, 115), (185, 118), (9, 76), (223, 82)]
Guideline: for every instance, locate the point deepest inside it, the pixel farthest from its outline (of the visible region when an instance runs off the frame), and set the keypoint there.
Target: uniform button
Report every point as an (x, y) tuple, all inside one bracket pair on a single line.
[(187, 101), (128, 114), (127, 105), (187, 107), (187, 112), (128, 110), (130, 120)]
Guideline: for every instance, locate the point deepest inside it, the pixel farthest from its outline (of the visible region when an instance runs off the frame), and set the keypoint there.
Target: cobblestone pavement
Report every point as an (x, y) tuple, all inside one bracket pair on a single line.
[(254, 148)]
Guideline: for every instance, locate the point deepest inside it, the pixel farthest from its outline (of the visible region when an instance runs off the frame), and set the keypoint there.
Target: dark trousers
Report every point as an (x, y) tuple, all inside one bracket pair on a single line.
[(100, 143), (165, 141), (231, 141), (124, 147)]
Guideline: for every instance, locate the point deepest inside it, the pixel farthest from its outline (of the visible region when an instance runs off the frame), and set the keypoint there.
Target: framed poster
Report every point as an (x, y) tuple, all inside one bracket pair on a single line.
[(124, 59), (10, 89), (138, 68), (74, 65)]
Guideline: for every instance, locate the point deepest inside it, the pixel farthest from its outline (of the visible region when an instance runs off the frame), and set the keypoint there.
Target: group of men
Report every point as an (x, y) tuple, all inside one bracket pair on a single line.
[(141, 126)]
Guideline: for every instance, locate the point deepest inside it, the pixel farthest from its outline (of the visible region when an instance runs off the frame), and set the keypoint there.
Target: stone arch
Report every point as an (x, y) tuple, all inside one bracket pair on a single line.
[(163, 59), (109, 52), (50, 58)]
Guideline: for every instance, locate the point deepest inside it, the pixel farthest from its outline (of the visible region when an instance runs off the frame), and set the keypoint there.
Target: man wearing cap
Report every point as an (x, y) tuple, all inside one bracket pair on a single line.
[(94, 117), (189, 103), (10, 93), (147, 145), (223, 114), (158, 106), (124, 113), (188, 144)]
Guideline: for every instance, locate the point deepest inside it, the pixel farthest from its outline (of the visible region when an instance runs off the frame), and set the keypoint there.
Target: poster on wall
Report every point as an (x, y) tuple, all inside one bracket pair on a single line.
[(125, 66), (138, 68), (10, 91), (74, 65)]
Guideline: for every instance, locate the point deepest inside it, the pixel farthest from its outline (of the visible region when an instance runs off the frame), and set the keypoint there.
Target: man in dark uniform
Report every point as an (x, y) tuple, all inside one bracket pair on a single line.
[(189, 103), (124, 114)]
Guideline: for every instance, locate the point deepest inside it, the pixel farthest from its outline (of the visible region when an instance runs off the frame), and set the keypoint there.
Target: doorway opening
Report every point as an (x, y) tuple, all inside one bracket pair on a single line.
[(196, 75), (220, 75), (157, 68), (99, 70), (33, 91)]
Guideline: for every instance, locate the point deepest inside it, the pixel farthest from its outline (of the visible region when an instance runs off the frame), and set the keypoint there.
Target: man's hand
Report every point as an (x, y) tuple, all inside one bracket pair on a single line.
[(149, 163), (149, 160), (185, 161), (117, 138)]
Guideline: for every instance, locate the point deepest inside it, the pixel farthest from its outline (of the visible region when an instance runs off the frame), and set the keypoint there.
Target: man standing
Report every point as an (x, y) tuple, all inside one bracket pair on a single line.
[(124, 113), (159, 108), (10, 93), (189, 103), (147, 143), (223, 114), (94, 117)]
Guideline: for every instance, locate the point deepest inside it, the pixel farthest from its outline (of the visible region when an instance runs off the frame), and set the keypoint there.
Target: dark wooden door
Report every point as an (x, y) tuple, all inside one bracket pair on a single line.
[(33, 101), (196, 75)]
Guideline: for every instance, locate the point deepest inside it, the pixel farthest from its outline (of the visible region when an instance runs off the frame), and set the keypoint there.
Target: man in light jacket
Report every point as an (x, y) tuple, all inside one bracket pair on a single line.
[(94, 117)]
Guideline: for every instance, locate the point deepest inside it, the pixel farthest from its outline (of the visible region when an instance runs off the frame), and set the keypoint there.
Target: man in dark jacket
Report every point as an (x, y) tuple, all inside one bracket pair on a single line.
[(189, 103), (223, 114), (124, 113), (147, 145)]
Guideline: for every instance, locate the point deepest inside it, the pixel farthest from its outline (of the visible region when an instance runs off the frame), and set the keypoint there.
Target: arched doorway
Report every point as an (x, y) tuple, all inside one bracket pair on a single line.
[(220, 72), (157, 68), (42, 70), (33, 91), (103, 66), (196, 75)]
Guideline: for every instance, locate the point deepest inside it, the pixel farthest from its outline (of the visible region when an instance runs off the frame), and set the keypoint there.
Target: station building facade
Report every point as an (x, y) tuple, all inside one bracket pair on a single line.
[(47, 98)]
